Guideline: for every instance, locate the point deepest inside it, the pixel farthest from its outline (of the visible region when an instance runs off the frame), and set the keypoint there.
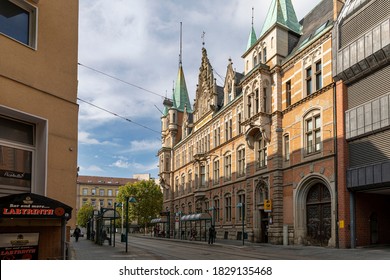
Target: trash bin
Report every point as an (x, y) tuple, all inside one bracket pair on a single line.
[(123, 237)]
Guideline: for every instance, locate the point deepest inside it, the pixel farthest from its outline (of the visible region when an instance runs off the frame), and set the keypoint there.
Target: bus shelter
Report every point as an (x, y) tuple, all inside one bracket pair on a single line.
[(160, 227), (105, 225), (195, 226)]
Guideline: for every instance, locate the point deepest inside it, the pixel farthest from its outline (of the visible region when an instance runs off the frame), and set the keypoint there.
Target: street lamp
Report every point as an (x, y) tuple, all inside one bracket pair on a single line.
[(242, 206), (131, 200)]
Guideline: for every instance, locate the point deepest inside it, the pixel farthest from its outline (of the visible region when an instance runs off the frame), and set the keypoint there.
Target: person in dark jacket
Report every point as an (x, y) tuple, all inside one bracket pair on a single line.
[(212, 234), (76, 233)]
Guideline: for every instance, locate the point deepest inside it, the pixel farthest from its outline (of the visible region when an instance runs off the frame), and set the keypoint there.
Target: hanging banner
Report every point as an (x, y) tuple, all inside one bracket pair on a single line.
[(19, 246)]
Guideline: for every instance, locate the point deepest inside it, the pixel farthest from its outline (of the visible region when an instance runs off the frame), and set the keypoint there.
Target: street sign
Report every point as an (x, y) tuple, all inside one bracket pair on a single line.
[(267, 205)]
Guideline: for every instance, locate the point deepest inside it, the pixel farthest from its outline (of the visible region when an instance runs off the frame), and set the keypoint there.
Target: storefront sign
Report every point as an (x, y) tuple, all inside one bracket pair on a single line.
[(19, 246), (32, 206)]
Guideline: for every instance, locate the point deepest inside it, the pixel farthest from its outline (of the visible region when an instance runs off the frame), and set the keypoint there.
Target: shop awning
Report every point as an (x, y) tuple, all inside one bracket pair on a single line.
[(196, 217), (158, 220)]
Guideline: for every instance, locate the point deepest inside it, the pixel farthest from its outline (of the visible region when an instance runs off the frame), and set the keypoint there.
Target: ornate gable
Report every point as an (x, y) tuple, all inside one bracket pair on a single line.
[(206, 92)]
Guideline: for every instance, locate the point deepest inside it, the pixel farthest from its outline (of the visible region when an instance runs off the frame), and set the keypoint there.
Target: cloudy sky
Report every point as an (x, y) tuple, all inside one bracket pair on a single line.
[(128, 56)]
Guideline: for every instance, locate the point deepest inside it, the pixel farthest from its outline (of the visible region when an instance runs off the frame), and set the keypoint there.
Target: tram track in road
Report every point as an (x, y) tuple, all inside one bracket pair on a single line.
[(174, 250)]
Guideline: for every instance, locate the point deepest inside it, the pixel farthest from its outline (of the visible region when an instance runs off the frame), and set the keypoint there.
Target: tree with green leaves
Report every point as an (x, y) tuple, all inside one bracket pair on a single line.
[(84, 214), (148, 200)]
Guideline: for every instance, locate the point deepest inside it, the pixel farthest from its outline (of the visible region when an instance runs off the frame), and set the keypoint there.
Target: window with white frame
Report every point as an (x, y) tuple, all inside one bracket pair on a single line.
[(109, 192), (85, 191), (109, 202), (313, 132), (18, 20), (101, 192), (17, 149)]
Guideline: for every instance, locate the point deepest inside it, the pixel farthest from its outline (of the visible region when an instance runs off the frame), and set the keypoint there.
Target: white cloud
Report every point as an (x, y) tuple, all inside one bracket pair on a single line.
[(91, 168)]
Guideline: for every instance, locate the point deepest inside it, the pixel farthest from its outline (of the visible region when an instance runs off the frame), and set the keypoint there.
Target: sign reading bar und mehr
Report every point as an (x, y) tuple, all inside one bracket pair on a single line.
[(29, 205)]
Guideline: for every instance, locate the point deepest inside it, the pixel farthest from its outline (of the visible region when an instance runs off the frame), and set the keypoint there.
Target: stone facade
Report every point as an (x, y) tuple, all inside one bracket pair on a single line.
[(265, 140)]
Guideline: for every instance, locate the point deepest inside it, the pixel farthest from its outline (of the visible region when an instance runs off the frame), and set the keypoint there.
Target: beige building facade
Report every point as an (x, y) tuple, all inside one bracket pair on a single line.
[(39, 113), (100, 192)]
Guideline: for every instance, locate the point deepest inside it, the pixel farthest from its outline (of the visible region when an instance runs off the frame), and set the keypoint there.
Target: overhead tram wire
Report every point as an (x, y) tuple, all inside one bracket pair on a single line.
[(116, 115), (120, 80)]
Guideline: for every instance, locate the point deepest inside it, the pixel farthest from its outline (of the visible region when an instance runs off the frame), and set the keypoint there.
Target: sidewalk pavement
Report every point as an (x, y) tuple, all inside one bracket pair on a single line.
[(88, 250)]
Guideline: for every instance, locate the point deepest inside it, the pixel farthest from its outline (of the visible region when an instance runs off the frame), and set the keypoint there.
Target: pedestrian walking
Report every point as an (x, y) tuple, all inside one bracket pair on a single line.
[(212, 234), (76, 233)]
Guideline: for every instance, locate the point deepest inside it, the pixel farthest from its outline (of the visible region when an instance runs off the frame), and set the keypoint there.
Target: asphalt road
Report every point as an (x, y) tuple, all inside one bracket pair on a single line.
[(149, 248)]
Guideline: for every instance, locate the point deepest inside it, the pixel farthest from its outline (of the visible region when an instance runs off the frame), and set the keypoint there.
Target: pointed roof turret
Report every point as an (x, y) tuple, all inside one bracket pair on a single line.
[(180, 94), (252, 36), (281, 12)]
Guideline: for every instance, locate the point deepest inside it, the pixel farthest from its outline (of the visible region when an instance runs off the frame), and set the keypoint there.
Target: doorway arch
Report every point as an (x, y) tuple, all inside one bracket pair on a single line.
[(315, 211)]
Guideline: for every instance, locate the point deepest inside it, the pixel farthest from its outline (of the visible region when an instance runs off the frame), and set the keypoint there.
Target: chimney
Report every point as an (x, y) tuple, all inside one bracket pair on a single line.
[(337, 6)]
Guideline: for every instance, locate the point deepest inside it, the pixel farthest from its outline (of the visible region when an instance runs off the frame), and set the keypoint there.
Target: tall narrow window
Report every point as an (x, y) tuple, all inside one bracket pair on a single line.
[(216, 209), (308, 81), (216, 171), (241, 161), (228, 167), (249, 107), (265, 55), (228, 208), (257, 101), (241, 199), (318, 75), (261, 156), (265, 100), (287, 147), (313, 134), (288, 93), (203, 175), (239, 120)]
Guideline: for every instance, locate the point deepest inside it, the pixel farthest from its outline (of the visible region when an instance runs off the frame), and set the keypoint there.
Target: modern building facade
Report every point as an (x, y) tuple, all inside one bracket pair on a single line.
[(258, 152), (38, 122), (361, 68)]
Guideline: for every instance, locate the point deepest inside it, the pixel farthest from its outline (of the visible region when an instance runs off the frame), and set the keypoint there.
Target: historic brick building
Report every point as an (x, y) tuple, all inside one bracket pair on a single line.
[(259, 151), (361, 68), (38, 122)]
